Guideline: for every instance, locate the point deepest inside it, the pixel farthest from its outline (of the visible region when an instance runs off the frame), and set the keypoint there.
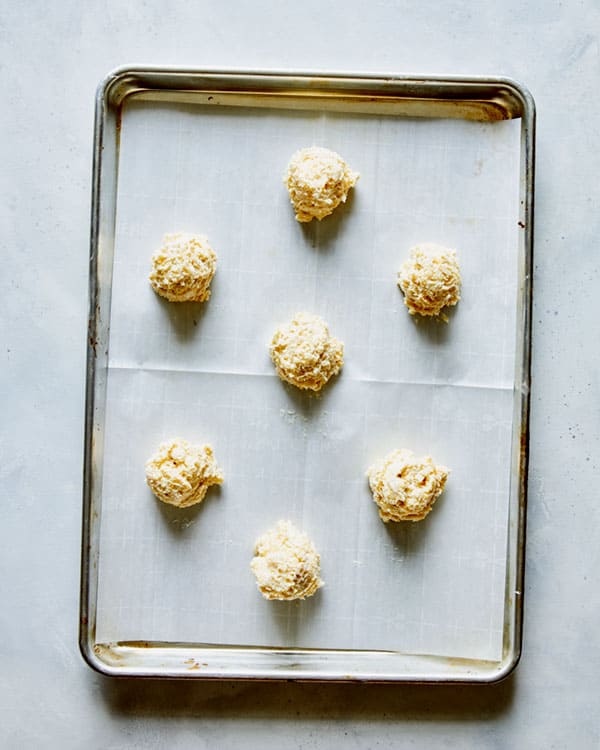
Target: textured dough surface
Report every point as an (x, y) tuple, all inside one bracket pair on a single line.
[(304, 352), (180, 473), (430, 279), (286, 564), (406, 487), (183, 268), (318, 180)]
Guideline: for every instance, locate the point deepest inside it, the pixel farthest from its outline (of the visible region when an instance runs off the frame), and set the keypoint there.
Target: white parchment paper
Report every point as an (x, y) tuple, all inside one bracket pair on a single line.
[(203, 372)]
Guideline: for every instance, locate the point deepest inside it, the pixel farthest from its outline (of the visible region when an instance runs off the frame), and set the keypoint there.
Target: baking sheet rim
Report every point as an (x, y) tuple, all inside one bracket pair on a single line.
[(105, 107)]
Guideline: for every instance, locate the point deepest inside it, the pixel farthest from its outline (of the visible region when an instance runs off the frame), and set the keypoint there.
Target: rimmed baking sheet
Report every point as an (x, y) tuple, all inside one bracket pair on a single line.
[(435, 589)]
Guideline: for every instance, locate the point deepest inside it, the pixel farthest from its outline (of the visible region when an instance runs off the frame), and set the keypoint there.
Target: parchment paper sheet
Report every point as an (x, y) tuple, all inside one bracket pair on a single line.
[(203, 372)]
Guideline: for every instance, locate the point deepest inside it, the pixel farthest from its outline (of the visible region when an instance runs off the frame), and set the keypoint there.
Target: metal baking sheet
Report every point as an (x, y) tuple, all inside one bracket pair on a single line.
[(164, 594)]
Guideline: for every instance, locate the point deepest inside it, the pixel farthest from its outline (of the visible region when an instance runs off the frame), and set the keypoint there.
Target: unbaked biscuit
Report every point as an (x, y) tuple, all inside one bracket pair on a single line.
[(183, 268), (286, 564), (430, 279), (318, 180), (180, 473), (305, 354), (406, 487)]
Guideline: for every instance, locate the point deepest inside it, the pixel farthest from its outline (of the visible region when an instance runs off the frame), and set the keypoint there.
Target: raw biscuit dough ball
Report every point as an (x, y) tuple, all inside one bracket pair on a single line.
[(318, 180), (180, 473), (430, 279), (286, 564), (406, 487), (183, 268), (305, 354)]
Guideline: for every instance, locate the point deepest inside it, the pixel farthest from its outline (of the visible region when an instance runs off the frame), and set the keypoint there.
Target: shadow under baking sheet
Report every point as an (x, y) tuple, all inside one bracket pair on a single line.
[(284, 701)]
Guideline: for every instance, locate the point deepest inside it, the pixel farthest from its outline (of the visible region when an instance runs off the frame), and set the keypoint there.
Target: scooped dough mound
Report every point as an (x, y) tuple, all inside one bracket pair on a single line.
[(406, 487), (183, 268), (304, 352), (286, 564), (430, 279), (318, 180), (180, 473)]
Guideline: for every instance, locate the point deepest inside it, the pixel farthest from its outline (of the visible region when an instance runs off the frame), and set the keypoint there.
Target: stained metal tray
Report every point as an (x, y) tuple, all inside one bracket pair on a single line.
[(479, 99)]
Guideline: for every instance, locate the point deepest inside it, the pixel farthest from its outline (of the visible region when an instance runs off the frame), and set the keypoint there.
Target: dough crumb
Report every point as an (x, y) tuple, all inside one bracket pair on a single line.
[(183, 268), (406, 487), (286, 564), (318, 180), (430, 279), (180, 473), (304, 352)]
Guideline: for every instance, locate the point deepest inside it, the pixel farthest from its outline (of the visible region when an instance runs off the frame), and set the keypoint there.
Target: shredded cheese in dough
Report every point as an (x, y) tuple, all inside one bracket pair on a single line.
[(430, 279), (406, 487), (305, 354), (183, 268), (318, 180), (180, 473), (286, 564)]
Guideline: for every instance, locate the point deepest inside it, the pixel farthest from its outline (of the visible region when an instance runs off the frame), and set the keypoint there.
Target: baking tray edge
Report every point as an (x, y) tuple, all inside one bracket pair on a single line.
[(506, 99)]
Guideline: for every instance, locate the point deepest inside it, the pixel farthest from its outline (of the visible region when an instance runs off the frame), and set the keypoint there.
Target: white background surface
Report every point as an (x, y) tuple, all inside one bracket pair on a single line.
[(52, 58)]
